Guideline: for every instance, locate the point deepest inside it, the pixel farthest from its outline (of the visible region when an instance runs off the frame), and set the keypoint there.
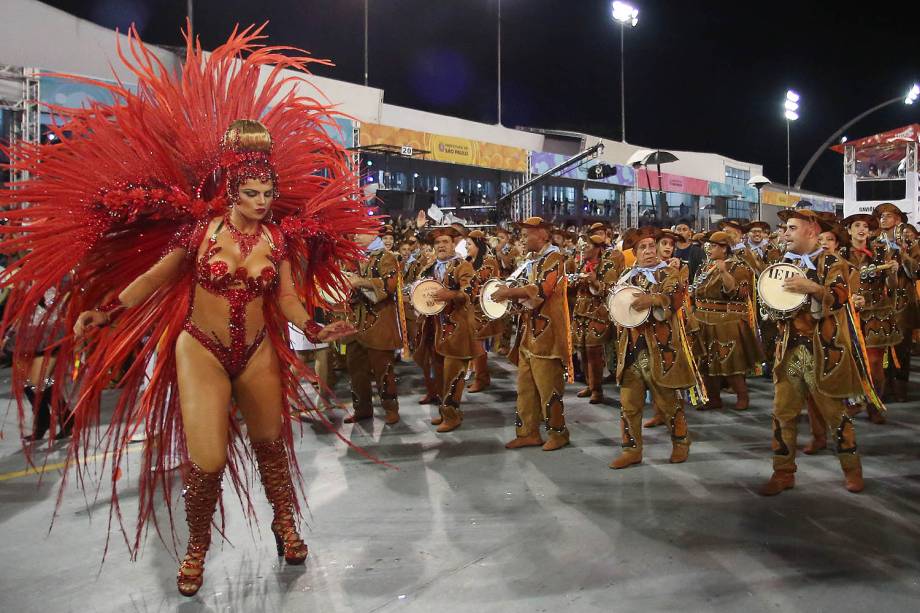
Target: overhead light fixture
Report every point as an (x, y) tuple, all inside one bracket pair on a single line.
[(625, 13), (792, 96), (843, 139), (913, 94)]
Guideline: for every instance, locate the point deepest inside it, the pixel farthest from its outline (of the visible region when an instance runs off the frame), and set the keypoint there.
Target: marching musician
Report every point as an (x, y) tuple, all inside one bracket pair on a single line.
[(591, 330), (757, 242), (486, 267), (892, 221), (722, 318), (417, 261), (814, 356), (832, 240), (736, 229), (873, 296), (375, 312), (508, 256), (652, 357), (543, 343), (667, 247), (448, 336)]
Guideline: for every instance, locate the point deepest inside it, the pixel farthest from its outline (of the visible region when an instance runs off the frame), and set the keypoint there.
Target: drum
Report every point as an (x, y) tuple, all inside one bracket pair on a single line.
[(490, 308), (619, 306), (771, 291), (420, 294), (332, 295)]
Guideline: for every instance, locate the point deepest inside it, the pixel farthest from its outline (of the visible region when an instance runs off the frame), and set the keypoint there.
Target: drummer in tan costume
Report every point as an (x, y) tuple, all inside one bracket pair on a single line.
[(651, 357), (813, 356), (592, 327), (486, 267), (375, 315), (508, 256), (448, 336), (543, 344)]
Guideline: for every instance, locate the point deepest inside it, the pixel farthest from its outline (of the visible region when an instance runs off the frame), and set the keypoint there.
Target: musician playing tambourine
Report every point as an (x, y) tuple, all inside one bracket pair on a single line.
[(652, 356), (486, 267), (448, 336), (591, 329), (814, 354), (543, 351), (721, 316), (873, 294)]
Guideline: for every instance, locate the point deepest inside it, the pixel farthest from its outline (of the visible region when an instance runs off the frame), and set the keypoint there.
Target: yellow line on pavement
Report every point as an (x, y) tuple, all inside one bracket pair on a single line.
[(40, 470)]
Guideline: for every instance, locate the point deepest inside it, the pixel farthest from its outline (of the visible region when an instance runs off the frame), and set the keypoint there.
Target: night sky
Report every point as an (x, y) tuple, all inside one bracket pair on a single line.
[(701, 76)]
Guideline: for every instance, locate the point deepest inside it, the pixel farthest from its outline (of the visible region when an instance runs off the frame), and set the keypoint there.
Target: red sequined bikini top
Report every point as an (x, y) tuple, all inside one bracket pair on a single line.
[(216, 277)]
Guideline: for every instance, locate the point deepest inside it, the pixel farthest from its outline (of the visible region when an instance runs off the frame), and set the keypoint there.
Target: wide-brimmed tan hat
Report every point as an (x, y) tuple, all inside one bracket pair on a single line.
[(849, 220), (887, 207), (534, 223)]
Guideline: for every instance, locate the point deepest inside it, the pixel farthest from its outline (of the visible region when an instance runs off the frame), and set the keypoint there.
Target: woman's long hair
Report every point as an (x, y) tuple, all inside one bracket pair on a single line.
[(482, 250)]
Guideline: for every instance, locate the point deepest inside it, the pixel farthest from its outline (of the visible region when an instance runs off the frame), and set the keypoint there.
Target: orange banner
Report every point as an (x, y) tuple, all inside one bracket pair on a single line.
[(450, 149), (779, 198)]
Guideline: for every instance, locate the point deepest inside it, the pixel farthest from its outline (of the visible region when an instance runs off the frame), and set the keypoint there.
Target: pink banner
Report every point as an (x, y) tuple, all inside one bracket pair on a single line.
[(673, 183)]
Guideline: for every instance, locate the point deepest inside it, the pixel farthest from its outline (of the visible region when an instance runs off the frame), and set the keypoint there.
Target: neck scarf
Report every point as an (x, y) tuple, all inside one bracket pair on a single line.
[(805, 260), (649, 272)]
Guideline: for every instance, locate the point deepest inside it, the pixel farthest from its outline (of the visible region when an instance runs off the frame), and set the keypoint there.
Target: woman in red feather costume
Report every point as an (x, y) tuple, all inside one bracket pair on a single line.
[(170, 237)]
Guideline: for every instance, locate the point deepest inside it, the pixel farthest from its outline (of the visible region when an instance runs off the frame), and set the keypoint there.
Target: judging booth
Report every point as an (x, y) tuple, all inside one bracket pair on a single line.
[(882, 168)]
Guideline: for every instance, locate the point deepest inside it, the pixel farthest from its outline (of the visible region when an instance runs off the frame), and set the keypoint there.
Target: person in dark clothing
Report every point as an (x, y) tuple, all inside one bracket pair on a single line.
[(688, 252)]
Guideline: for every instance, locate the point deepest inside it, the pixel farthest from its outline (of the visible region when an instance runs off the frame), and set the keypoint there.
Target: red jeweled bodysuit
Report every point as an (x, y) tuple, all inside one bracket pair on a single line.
[(238, 289)]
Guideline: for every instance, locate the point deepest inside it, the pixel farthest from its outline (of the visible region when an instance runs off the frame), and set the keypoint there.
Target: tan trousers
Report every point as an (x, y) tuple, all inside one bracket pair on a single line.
[(637, 379), (592, 365), (365, 364), (540, 386), (793, 382), (450, 380)]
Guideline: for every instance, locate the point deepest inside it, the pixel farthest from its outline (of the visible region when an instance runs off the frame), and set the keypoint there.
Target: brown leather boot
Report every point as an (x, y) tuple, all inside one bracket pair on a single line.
[(654, 422), (595, 369), (482, 379), (452, 419), (202, 492), (353, 419), (853, 479), (531, 440), (875, 415), (555, 425), (584, 393), (817, 444), (713, 391), (780, 481), (626, 459), (391, 418), (679, 454), (437, 420), (739, 385), (556, 442)]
